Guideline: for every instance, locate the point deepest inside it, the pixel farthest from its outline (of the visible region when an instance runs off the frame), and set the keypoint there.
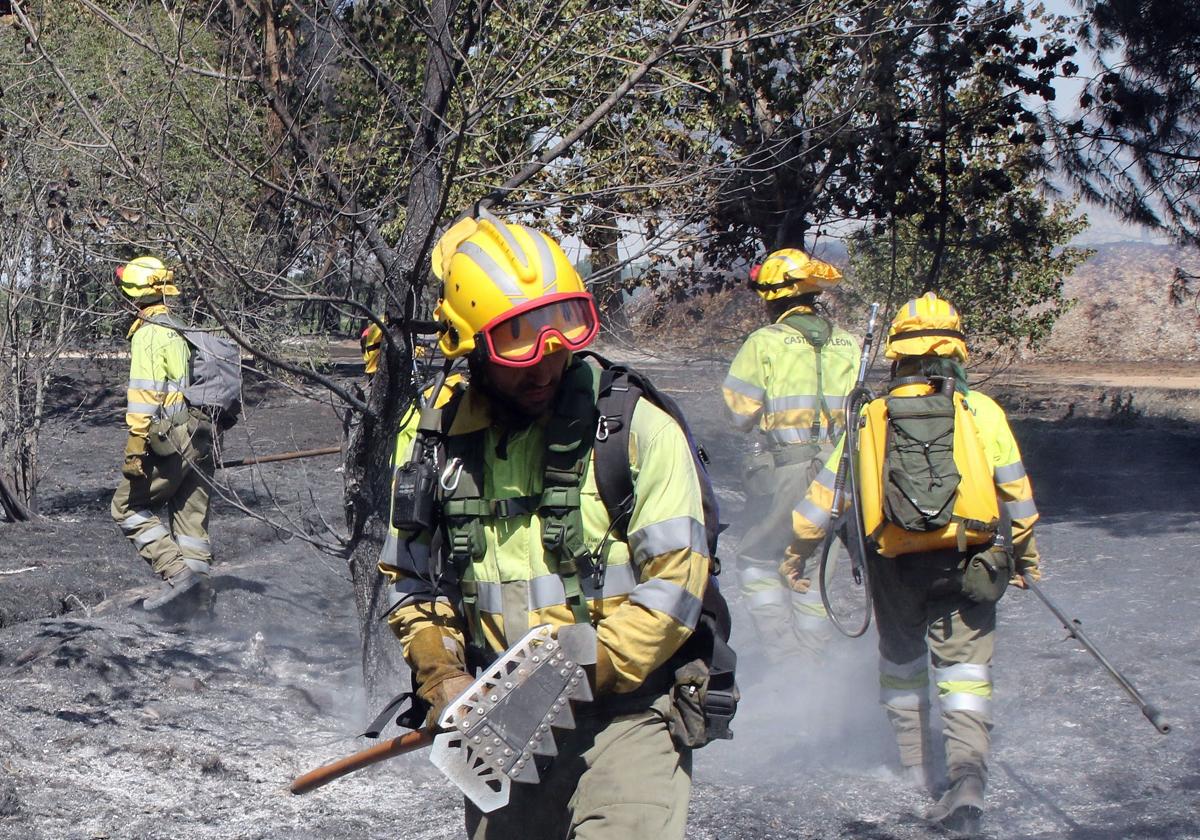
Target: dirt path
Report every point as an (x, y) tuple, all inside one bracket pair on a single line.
[(115, 726)]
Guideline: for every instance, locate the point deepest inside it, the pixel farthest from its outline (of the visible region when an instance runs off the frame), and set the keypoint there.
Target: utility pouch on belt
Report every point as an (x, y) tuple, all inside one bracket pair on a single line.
[(758, 474), (986, 575), (167, 437)]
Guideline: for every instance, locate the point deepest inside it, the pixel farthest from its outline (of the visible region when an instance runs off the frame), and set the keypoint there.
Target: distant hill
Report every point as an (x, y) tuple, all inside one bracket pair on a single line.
[(1123, 310)]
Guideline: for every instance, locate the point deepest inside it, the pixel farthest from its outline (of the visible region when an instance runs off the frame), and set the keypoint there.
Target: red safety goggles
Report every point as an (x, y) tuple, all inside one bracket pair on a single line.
[(522, 336)]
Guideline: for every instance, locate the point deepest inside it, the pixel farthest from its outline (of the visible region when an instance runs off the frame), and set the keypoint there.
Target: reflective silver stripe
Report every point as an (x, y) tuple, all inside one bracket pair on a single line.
[(513, 245), (546, 591), (504, 281), (194, 544), (163, 387), (912, 307), (827, 478), (406, 588), (200, 567), (809, 621), (491, 596), (810, 599), (146, 537), (669, 598), (754, 573), (814, 513), (549, 268), (792, 403), (156, 408), (682, 532), (903, 670), (963, 672), (618, 580), (744, 388), (1010, 472), (767, 597), (899, 698), (789, 436), (136, 519), (1022, 509), (961, 701)]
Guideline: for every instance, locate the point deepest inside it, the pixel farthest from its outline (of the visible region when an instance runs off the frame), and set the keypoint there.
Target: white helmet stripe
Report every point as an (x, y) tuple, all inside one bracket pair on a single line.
[(504, 281), (511, 240), (549, 267)]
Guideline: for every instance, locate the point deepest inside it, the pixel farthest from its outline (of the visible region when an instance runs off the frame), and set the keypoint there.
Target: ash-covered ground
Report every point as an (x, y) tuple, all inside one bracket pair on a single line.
[(113, 725)]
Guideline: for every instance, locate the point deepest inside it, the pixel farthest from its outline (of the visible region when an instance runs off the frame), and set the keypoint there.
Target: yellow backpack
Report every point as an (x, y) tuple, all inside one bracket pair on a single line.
[(926, 481)]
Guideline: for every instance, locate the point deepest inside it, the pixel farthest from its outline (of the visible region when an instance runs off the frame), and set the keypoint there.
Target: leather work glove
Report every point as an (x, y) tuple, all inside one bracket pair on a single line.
[(1032, 569), (439, 670), (135, 457), (1028, 563), (796, 557), (603, 673), (443, 694)]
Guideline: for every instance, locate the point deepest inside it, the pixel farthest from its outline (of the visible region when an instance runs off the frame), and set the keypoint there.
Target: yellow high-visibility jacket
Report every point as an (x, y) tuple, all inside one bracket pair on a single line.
[(653, 584), (1013, 490), (772, 383), (158, 371)]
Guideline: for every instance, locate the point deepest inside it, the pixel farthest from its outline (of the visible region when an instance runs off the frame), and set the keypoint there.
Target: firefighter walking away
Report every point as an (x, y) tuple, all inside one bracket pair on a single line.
[(948, 513)]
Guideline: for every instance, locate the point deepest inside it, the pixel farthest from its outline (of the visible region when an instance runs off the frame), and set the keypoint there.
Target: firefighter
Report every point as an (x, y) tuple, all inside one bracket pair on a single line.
[(516, 308), (371, 343), (787, 385), (935, 608), (168, 451)]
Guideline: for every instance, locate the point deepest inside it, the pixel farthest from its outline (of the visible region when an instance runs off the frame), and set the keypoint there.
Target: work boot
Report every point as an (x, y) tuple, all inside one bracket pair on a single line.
[(173, 587), (960, 808)]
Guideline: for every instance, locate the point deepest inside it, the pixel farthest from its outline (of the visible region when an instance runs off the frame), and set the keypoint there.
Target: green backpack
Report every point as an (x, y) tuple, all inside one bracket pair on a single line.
[(920, 478)]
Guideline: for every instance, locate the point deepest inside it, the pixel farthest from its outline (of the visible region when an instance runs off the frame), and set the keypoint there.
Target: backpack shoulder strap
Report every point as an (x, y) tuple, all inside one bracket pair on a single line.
[(618, 396)]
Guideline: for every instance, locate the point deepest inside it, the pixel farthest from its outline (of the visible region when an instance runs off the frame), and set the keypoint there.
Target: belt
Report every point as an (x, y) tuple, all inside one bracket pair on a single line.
[(797, 453)]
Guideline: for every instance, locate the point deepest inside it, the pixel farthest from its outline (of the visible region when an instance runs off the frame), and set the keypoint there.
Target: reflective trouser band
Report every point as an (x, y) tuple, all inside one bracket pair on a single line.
[(965, 687), (198, 566), (903, 698), (809, 610), (761, 588), (904, 685), (965, 697), (195, 545), (136, 520), (146, 537)]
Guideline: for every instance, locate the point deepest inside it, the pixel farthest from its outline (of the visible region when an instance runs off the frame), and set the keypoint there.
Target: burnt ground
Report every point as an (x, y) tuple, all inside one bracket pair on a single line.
[(113, 725)]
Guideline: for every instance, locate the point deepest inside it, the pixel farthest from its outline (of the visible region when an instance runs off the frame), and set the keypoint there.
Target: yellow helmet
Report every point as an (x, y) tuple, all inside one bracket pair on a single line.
[(145, 277), (927, 326), (790, 273), (510, 293)]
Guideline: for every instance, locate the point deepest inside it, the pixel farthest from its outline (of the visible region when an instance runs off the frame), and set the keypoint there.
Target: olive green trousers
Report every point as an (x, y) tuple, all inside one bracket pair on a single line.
[(789, 624), (614, 778), (178, 482), (925, 628)]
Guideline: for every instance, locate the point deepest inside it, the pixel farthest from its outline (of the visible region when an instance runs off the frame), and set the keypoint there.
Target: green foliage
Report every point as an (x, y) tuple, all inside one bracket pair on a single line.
[(1133, 143), (1003, 267)]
